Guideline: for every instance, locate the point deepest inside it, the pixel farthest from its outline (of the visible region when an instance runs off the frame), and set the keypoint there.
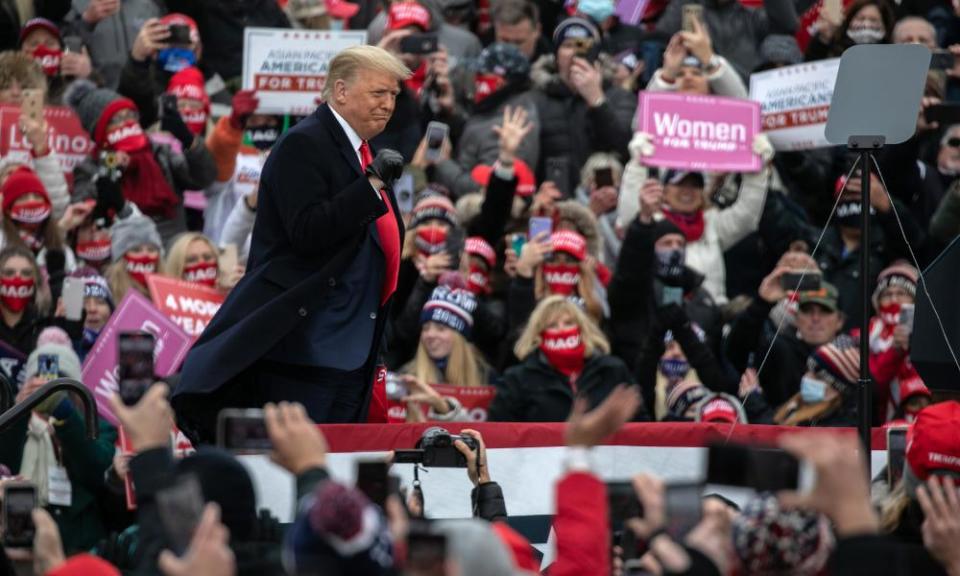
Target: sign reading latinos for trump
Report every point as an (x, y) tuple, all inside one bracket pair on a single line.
[(134, 313), (288, 68), (190, 305), (66, 136), (704, 133), (794, 103)]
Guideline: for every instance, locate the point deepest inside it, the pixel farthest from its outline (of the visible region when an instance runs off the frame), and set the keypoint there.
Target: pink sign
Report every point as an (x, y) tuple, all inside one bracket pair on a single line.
[(704, 133), (134, 313)]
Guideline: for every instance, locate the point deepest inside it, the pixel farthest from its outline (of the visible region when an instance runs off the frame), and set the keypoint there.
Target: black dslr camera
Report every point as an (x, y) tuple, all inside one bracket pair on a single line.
[(435, 449)]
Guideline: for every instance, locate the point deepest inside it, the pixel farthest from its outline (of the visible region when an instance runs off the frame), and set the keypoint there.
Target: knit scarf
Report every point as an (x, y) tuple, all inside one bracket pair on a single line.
[(691, 225)]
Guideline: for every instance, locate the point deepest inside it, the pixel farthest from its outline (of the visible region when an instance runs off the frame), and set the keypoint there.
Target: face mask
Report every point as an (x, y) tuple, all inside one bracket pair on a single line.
[(674, 369), (848, 214), (431, 240), (176, 59), (561, 279), (865, 35), (140, 266), (597, 10), (96, 248), (196, 121), (89, 337), (48, 59), (16, 293), (201, 273), (336, 24), (262, 138), (670, 263), (564, 350), (478, 281), (890, 314), (127, 137), (485, 85), (812, 390), (32, 212)]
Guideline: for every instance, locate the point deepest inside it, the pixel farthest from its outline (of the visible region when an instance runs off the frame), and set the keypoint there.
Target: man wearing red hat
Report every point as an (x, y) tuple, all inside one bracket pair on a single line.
[(41, 39)]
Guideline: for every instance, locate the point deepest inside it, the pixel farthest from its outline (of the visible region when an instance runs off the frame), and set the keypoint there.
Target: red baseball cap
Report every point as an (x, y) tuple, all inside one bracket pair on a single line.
[(177, 18), (570, 242), (341, 9), (403, 14), (913, 386), (526, 181), (933, 442), (477, 246), (719, 408)]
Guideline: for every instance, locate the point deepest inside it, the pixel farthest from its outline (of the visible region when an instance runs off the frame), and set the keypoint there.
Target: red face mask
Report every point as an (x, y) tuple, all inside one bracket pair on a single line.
[(48, 59), (140, 266), (478, 280), (196, 120), (564, 350), (127, 137), (30, 212), (201, 273), (562, 278), (431, 240), (95, 247), (485, 85), (16, 293), (890, 314)]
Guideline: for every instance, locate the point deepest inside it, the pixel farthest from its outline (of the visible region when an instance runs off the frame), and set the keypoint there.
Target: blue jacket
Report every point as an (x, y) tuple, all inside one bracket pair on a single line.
[(306, 298)]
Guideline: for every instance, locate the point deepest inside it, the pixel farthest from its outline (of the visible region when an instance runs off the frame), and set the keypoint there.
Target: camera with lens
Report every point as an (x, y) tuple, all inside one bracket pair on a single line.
[(435, 449)]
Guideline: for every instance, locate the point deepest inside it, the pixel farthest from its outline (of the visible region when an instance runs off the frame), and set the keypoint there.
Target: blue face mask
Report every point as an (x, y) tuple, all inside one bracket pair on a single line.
[(176, 59), (89, 337), (597, 10), (674, 369), (812, 390)]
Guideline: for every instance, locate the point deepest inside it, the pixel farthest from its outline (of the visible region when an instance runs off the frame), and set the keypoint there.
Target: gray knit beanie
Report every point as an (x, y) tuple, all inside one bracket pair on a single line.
[(780, 49), (68, 360), (89, 102), (128, 233), (477, 550)]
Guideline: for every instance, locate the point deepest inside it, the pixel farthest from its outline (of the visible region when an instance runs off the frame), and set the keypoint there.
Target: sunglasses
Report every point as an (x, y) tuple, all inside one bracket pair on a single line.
[(953, 142)]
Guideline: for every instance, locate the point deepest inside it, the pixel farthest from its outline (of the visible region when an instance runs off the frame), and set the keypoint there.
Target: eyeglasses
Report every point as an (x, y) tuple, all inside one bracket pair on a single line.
[(953, 142)]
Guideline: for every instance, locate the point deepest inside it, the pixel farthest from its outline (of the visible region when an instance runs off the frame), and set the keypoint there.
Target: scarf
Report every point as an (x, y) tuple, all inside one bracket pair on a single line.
[(417, 80), (144, 182), (564, 350), (691, 225), (38, 457)]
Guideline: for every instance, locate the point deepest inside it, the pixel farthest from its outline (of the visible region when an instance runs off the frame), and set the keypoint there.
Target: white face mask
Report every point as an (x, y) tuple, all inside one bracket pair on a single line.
[(865, 35), (812, 390)]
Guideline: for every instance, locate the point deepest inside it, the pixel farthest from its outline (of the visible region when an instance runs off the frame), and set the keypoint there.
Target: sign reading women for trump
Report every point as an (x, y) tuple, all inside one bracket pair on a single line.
[(704, 133), (794, 103), (288, 68)]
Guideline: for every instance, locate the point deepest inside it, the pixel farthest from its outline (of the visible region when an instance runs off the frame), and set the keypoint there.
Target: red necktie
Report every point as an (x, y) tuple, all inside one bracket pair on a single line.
[(366, 157), (389, 233)]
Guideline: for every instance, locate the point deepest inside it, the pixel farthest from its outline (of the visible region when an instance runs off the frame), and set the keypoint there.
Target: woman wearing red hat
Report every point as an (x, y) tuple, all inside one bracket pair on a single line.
[(27, 221), (41, 39), (564, 357), (24, 299)]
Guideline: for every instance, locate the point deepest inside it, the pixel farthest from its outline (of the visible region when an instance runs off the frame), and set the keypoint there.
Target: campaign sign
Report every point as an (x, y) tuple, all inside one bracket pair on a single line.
[(65, 136), (703, 133), (288, 68), (474, 399), (189, 305), (794, 103), (134, 313)]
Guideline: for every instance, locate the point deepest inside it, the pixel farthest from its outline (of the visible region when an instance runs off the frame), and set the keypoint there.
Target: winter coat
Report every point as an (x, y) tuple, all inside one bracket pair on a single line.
[(479, 144), (872, 554), (787, 362), (144, 83), (735, 30), (488, 503), (191, 169), (571, 129), (945, 223), (722, 228), (635, 297), (890, 366), (23, 336), (111, 39), (724, 81), (534, 391), (608, 238)]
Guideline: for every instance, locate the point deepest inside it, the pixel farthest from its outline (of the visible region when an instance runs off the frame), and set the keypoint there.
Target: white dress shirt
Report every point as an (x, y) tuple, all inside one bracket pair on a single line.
[(355, 142)]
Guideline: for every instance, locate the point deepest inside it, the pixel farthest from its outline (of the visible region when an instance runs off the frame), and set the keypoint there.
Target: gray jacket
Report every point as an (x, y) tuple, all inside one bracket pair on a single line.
[(110, 40)]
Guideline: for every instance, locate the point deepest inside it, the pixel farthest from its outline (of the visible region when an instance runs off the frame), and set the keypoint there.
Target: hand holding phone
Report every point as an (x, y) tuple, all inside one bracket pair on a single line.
[(540, 229), (135, 365), (436, 135), (31, 105), (243, 431), (691, 13), (763, 469), (19, 500)]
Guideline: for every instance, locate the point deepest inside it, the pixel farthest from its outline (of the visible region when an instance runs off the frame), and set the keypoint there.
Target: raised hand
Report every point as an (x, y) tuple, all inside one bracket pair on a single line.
[(512, 131)]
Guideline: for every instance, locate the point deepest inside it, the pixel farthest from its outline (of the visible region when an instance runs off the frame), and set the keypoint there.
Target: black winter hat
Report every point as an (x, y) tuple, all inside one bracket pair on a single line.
[(225, 481), (663, 227)]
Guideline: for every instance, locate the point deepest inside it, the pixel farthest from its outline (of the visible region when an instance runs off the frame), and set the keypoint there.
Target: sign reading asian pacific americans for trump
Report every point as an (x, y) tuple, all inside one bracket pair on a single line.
[(288, 68), (794, 103), (703, 133)]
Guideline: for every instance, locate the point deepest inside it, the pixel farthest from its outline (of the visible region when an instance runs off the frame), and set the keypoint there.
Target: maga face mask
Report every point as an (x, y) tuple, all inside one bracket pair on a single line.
[(16, 293), (201, 273), (562, 278), (262, 138), (127, 137), (140, 266), (48, 59), (31, 212)]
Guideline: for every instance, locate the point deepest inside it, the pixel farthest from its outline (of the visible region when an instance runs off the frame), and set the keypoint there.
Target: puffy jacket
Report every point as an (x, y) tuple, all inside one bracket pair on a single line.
[(534, 391), (571, 129), (871, 554), (110, 40), (722, 228), (488, 503), (735, 30)]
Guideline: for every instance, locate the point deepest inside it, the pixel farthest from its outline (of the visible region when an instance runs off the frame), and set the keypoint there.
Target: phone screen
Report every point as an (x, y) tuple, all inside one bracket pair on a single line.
[(436, 134), (32, 104), (456, 238), (896, 451), (558, 172), (801, 281), (135, 365), (180, 507), (691, 12), (73, 298), (396, 388), (622, 503), (48, 366), (18, 504), (763, 469), (540, 225), (684, 509), (243, 430), (603, 177), (372, 480)]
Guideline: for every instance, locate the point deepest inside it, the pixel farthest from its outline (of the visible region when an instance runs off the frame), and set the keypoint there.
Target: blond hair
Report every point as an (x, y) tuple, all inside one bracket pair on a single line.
[(463, 365), (345, 66), (893, 507), (22, 69), (597, 161), (177, 255), (546, 312)]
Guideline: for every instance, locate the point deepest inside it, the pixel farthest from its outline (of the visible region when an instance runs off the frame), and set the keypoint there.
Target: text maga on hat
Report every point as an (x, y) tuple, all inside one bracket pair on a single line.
[(703, 133)]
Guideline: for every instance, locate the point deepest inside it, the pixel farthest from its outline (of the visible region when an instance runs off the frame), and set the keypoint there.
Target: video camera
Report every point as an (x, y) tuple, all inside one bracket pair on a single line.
[(435, 449)]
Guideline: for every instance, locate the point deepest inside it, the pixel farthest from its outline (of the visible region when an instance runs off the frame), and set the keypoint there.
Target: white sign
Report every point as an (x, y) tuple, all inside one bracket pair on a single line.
[(794, 103), (288, 68)]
